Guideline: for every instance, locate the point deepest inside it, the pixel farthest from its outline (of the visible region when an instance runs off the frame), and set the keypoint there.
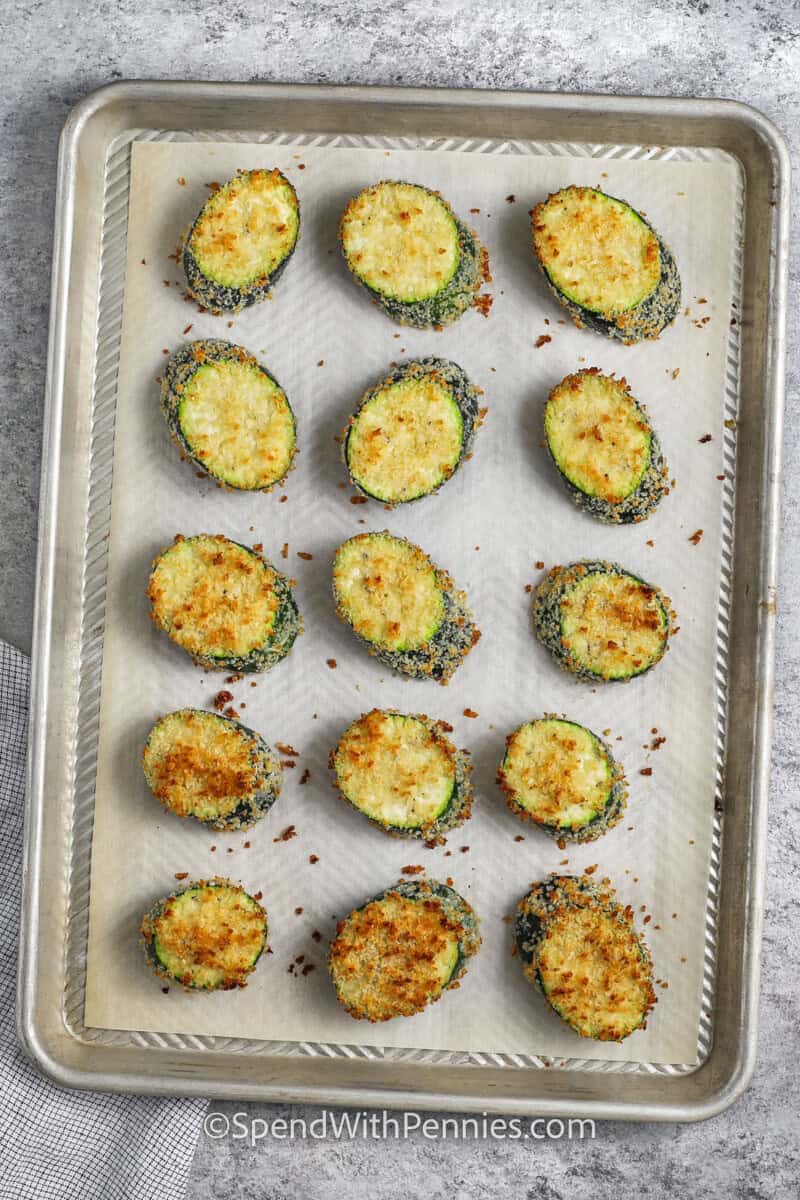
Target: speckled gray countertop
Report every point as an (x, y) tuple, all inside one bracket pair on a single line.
[(53, 53)]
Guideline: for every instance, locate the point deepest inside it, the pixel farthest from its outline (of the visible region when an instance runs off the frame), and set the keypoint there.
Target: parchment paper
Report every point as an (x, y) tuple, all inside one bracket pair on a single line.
[(501, 514)]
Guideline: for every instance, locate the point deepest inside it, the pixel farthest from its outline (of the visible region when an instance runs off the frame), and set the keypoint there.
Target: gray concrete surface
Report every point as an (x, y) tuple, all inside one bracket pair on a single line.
[(51, 54)]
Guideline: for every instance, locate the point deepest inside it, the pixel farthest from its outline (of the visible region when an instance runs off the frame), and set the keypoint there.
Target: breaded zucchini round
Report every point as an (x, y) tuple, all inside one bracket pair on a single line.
[(405, 609), (404, 774), (581, 949), (208, 935), (407, 247), (411, 431), (564, 777), (228, 415), (223, 603), (203, 765), (606, 451), (241, 241), (397, 953), (600, 621), (605, 264)]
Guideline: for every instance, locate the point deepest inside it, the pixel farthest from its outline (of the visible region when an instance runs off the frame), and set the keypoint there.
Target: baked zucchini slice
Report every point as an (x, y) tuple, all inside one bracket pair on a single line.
[(411, 431), (209, 935), (404, 774), (405, 609), (606, 451), (241, 241), (564, 777), (223, 603), (203, 765), (399, 952), (406, 246), (606, 264), (579, 946), (600, 621), (228, 415)]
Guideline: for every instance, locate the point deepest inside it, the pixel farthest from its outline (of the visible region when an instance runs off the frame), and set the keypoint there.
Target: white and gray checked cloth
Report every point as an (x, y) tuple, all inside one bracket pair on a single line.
[(57, 1144)]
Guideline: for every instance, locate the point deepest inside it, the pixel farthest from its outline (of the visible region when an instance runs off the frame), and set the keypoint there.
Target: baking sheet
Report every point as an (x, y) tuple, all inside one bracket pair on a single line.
[(507, 502)]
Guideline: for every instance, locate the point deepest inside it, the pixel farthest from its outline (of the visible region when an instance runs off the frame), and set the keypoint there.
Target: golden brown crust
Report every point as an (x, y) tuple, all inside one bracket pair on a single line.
[(587, 957), (397, 953), (217, 599), (214, 944)]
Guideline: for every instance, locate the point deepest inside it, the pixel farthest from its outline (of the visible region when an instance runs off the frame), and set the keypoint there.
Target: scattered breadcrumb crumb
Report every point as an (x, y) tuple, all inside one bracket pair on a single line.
[(288, 833)]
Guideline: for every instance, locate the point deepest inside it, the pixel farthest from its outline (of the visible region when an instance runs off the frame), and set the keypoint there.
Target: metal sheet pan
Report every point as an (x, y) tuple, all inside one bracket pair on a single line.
[(69, 617)]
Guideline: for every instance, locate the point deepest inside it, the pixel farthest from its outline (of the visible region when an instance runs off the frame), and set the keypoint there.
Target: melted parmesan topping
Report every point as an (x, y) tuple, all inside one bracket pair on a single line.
[(557, 771), (598, 436), (401, 240), (395, 769), (613, 624), (388, 591), (238, 423), (593, 973), (392, 957), (199, 764), (406, 440), (596, 250), (210, 936), (246, 229), (213, 597)]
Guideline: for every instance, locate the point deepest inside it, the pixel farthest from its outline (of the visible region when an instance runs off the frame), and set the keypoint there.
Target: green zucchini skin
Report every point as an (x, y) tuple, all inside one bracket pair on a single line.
[(260, 761), (600, 824), (644, 321), (455, 298), (547, 611), (558, 895), (181, 367), (465, 396), (218, 298), (232, 978), (276, 645), (444, 652), (459, 916), (459, 807), (652, 487)]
